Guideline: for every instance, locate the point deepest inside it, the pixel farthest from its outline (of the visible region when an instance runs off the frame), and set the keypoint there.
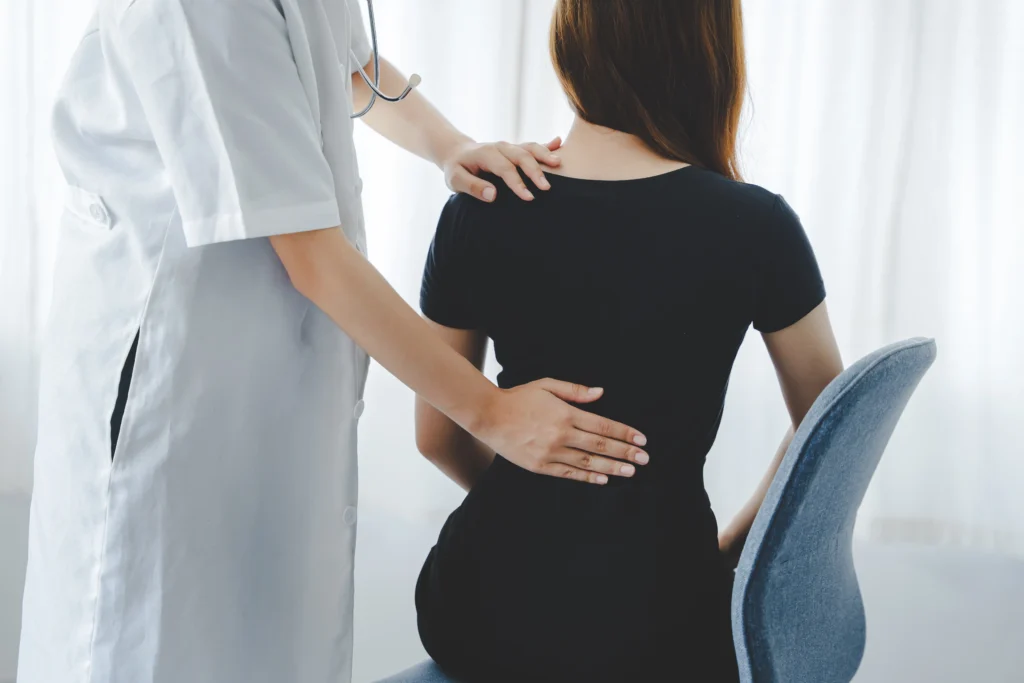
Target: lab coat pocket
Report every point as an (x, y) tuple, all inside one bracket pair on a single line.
[(88, 211)]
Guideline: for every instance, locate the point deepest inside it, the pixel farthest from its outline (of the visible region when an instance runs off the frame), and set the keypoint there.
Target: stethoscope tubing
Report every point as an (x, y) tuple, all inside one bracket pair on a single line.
[(374, 84)]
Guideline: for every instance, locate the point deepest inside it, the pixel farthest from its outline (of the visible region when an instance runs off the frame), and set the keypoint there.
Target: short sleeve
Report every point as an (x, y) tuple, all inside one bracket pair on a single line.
[(222, 96), (447, 292), (360, 49), (788, 283)]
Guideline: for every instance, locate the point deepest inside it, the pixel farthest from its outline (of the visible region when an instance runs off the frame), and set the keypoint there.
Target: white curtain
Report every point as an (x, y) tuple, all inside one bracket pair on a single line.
[(894, 129), (892, 126), (37, 38)]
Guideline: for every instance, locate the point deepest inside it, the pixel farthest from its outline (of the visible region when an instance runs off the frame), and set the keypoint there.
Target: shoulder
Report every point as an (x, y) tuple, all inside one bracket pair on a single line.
[(455, 213), (118, 11), (459, 219), (743, 200), (504, 199), (464, 209), (753, 212), (110, 14)]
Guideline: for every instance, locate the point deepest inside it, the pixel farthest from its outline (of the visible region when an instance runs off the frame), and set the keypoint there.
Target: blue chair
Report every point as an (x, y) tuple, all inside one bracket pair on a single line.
[(797, 612), (426, 672)]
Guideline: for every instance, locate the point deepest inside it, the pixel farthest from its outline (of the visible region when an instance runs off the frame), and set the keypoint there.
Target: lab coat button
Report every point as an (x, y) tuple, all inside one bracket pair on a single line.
[(357, 411), (350, 515), (97, 212)]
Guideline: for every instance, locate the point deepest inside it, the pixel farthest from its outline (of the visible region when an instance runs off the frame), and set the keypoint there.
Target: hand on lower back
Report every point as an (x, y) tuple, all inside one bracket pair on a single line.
[(533, 427)]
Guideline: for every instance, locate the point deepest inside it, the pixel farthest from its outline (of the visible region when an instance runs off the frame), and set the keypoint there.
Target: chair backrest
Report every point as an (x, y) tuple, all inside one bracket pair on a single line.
[(797, 612)]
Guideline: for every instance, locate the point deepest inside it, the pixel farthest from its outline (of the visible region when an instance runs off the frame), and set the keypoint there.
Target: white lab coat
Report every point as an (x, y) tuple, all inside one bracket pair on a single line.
[(217, 545)]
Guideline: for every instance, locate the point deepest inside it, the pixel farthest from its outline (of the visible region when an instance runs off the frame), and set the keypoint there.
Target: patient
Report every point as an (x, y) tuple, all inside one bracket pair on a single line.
[(640, 271)]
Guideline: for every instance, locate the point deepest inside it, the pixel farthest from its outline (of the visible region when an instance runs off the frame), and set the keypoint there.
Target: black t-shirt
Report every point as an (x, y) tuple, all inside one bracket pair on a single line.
[(646, 288)]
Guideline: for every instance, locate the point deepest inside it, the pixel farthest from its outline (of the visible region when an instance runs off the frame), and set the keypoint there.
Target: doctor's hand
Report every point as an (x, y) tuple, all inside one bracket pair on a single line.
[(502, 159), (534, 428)]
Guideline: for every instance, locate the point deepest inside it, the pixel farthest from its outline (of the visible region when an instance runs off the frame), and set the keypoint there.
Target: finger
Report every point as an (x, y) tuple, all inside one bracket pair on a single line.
[(465, 182), (610, 429), (500, 165), (524, 160), (602, 445), (594, 463), (555, 160), (568, 391), (542, 154), (563, 471)]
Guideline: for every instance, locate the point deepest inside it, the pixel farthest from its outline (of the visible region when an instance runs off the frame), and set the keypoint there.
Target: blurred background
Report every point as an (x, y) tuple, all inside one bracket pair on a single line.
[(893, 127)]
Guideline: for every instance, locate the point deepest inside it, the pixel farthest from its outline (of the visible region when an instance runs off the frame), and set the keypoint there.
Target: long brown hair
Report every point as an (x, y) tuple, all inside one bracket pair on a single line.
[(670, 72)]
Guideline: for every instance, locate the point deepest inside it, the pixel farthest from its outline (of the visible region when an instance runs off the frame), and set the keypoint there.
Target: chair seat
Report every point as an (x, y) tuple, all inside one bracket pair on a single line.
[(425, 672)]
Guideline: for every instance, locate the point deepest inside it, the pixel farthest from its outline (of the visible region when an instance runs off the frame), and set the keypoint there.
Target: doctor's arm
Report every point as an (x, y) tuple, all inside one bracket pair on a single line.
[(530, 425), (418, 127), (212, 80), (453, 450), (806, 358)]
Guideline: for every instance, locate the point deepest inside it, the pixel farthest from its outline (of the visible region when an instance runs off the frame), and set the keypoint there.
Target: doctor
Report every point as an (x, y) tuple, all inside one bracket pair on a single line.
[(194, 512)]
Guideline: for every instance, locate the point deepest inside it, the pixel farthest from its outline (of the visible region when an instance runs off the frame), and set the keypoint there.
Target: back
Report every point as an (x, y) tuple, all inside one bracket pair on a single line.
[(663, 275)]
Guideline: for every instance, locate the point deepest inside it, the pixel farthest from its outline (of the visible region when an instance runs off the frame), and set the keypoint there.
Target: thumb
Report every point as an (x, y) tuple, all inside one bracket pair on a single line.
[(554, 144), (466, 183), (568, 391)]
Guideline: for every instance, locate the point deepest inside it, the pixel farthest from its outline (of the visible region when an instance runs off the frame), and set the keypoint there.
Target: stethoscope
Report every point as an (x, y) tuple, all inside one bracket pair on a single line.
[(374, 85)]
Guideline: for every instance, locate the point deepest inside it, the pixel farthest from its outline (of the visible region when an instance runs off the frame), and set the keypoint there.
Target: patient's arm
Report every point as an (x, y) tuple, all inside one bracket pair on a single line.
[(452, 449), (806, 359)]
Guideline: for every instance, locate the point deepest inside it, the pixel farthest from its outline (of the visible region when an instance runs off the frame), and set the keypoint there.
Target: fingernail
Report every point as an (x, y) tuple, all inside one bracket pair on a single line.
[(544, 184), (595, 391), (627, 470), (489, 194), (529, 195), (643, 458), (601, 479), (555, 159), (640, 440)]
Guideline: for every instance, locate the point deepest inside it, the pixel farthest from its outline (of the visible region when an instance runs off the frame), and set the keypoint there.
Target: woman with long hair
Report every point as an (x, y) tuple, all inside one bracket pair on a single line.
[(649, 182)]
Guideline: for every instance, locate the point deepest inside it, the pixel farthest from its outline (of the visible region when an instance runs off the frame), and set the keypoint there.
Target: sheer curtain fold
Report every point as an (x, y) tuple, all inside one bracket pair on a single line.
[(39, 37), (891, 127), (902, 168)]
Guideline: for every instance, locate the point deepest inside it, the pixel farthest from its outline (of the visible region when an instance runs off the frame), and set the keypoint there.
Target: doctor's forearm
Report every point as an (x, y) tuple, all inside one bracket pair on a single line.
[(413, 124), (325, 267)]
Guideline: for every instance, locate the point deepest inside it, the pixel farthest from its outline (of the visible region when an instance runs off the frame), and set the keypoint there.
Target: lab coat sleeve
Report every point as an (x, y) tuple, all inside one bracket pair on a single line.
[(362, 50), (224, 102)]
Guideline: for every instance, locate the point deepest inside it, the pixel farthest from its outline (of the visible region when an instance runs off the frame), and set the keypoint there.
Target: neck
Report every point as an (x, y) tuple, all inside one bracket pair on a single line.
[(599, 153)]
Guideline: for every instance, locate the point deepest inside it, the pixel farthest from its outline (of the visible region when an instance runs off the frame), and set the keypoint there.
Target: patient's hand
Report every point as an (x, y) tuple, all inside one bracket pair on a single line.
[(503, 159)]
